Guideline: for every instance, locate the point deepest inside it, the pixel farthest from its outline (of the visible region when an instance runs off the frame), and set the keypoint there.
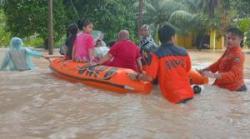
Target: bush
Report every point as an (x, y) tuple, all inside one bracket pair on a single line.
[(247, 39), (35, 42), (4, 35), (4, 38)]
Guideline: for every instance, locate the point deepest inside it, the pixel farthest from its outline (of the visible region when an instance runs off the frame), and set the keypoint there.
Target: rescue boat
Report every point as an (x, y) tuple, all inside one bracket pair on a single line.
[(100, 76), (109, 78)]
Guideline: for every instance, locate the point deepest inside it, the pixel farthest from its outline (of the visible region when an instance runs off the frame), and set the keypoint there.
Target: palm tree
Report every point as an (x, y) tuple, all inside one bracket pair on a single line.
[(205, 6), (209, 12), (161, 12)]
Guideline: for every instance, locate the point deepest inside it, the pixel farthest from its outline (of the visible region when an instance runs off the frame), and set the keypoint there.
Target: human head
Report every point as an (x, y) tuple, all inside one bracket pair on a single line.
[(234, 37), (166, 34), (144, 30), (98, 43), (16, 43), (72, 29), (123, 35), (87, 26)]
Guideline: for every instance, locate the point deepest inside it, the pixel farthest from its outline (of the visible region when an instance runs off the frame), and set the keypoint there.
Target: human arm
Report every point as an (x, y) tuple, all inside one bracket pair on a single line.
[(188, 63), (152, 71), (139, 60), (139, 63), (106, 58), (73, 52), (33, 53), (213, 67), (90, 46), (91, 55), (235, 72)]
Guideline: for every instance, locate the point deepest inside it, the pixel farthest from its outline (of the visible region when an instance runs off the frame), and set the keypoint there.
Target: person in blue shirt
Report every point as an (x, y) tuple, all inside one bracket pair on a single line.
[(18, 57)]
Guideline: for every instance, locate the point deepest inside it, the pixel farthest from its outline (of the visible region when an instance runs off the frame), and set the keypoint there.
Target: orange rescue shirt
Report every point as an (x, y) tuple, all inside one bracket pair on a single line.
[(171, 65), (230, 66)]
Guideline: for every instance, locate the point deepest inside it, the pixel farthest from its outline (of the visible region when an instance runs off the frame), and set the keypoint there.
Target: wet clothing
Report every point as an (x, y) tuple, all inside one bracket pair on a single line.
[(147, 45), (171, 65), (230, 66), (125, 54), (83, 43), (19, 59)]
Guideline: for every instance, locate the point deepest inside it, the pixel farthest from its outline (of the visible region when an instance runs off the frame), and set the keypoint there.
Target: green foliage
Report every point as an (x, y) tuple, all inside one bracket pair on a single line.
[(247, 39), (183, 20), (242, 7), (244, 24), (109, 16), (24, 18), (27, 17), (33, 42), (161, 12), (39, 42), (4, 35)]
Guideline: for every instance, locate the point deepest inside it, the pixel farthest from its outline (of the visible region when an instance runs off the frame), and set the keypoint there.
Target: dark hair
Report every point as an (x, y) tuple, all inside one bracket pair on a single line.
[(165, 33), (80, 24), (71, 36), (86, 22), (83, 23), (237, 32), (72, 29)]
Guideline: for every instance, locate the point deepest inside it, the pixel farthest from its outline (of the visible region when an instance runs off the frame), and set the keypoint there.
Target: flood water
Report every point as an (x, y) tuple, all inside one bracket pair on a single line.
[(38, 105)]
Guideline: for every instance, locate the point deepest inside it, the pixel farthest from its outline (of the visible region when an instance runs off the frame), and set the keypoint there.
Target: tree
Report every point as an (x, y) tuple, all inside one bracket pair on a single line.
[(109, 16), (4, 35), (242, 8), (28, 17), (140, 16), (161, 12)]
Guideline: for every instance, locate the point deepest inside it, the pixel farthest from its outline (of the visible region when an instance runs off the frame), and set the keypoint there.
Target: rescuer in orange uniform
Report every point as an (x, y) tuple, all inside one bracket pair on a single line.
[(171, 65), (228, 70)]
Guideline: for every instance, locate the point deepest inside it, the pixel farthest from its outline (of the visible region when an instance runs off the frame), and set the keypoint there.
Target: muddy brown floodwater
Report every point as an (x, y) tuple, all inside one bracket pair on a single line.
[(37, 105)]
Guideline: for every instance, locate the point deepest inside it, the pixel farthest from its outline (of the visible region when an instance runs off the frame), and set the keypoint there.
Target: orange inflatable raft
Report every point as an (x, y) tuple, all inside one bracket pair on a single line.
[(108, 78), (104, 77)]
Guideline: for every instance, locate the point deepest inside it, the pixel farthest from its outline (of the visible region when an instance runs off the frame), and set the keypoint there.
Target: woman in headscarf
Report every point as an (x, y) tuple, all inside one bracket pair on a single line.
[(19, 57)]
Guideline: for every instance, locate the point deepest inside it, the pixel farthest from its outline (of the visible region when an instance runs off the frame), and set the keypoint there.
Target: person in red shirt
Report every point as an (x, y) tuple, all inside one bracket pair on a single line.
[(228, 70), (124, 53), (171, 65)]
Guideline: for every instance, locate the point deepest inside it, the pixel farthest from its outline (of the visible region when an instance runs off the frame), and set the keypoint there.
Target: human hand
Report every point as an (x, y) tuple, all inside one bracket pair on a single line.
[(132, 76), (200, 70), (47, 57), (92, 63), (211, 74)]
